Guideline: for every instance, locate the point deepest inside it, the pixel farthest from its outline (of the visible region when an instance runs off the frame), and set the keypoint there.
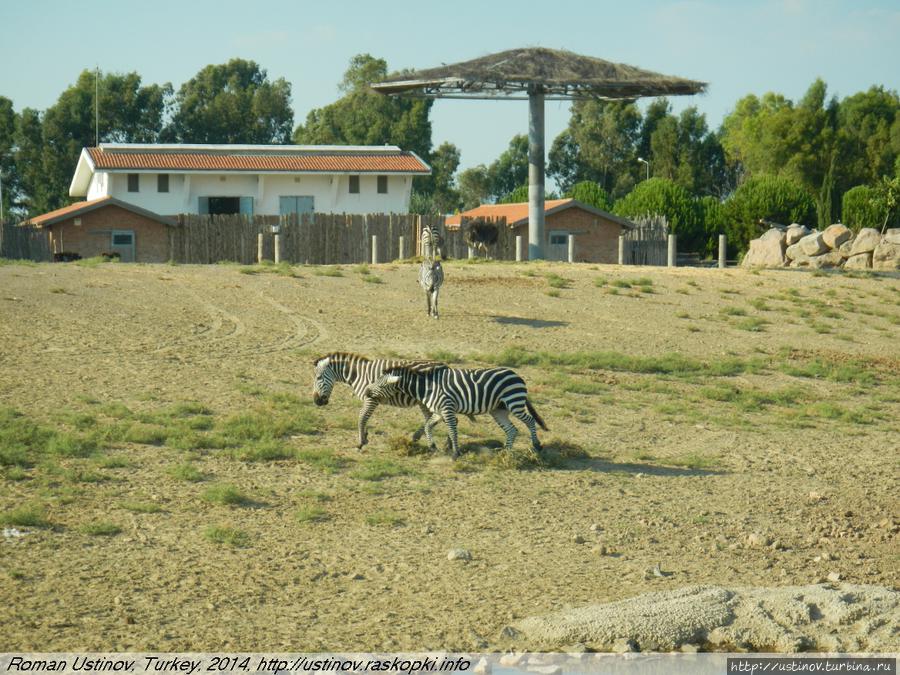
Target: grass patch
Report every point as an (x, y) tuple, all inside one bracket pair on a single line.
[(226, 494), (377, 469), (383, 518), (142, 507), (754, 324), (553, 293), (328, 271), (262, 451), (445, 356), (27, 515), (733, 311), (372, 279), (556, 281), (322, 459), (100, 529), (229, 536), (186, 472), (311, 514)]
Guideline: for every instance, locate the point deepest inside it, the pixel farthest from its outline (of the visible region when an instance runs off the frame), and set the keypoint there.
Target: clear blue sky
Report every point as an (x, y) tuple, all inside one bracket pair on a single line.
[(739, 47)]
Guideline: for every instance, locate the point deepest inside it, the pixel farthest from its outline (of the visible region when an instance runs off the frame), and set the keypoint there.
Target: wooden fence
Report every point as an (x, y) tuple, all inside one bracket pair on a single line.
[(321, 238), (19, 242), (647, 243)]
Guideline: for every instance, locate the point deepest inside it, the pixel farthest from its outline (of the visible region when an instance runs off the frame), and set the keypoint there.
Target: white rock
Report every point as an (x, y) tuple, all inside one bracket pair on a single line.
[(794, 251), (886, 256), (865, 241), (458, 554), (861, 261), (813, 244), (892, 236), (829, 259), (767, 251), (795, 233), (835, 235)]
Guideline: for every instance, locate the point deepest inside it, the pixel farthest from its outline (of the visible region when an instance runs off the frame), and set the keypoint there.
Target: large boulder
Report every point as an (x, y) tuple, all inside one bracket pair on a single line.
[(892, 236), (866, 240), (793, 252), (835, 235), (846, 249), (886, 256), (813, 244), (860, 261), (830, 259), (767, 251), (795, 233)]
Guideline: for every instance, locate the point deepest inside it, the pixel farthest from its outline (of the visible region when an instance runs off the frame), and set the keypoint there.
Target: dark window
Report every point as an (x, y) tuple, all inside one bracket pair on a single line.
[(354, 185), (224, 206), (382, 185), (133, 182), (162, 182), (559, 239), (122, 239)]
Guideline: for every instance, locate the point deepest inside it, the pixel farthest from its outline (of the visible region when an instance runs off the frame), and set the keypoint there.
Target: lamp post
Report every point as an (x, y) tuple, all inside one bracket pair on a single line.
[(644, 161)]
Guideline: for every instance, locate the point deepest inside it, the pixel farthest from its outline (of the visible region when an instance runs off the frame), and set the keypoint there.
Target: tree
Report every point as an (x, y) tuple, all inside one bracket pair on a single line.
[(510, 169), (474, 186), (232, 103), (517, 196), (362, 116), (660, 196), (29, 143), (860, 208), (8, 175), (772, 198), (685, 151), (588, 192)]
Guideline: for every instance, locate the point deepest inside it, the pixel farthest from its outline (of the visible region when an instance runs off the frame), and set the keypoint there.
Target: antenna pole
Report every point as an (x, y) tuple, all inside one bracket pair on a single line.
[(97, 107)]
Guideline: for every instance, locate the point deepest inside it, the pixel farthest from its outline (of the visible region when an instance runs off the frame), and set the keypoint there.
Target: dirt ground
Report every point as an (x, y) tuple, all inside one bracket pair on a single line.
[(779, 471)]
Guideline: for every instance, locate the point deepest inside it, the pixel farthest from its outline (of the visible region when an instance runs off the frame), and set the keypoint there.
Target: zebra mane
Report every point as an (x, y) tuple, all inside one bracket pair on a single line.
[(342, 357), (416, 368)]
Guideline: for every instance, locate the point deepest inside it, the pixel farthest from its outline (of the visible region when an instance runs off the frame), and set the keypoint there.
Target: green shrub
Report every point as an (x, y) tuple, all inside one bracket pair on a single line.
[(770, 198)]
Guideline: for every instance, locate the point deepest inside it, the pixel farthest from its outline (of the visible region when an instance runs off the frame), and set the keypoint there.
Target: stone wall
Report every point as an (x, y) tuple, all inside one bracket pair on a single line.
[(836, 246)]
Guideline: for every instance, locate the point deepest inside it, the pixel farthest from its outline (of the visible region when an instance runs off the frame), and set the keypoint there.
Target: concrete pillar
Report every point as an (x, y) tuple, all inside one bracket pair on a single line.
[(535, 173), (374, 249), (277, 248), (571, 248), (471, 252), (621, 249), (673, 244), (259, 247), (518, 248), (402, 247), (722, 242)]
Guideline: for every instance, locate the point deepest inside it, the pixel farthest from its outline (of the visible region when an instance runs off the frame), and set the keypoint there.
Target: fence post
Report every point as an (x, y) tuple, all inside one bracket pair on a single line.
[(374, 249), (471, 252), (402, 247), (518, 248), (259, 247), (722, 251), (621, 249), (672, 249), (277, 248), (571, 248)]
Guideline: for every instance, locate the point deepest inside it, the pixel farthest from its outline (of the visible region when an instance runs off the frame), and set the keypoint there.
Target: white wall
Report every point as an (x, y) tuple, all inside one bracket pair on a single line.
[(331, 192)]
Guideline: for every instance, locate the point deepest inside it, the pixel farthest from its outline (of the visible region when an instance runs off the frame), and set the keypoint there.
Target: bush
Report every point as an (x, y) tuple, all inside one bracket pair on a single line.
[(660, 196), (769, 198), (860, 208), (590, 193)]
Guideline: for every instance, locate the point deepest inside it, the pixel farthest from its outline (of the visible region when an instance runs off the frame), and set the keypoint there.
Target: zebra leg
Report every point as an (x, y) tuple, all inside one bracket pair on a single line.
[(501, 417), (429, 425), (526, 417), (364, 414), (428, 303), (434, 303), (426, 414), (450, 420)]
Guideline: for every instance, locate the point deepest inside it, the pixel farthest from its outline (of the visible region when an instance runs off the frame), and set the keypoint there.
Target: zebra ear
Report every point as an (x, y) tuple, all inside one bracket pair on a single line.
[(324, 360)]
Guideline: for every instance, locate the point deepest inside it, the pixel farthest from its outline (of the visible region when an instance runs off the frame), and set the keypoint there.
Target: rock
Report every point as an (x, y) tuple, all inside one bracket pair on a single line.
[(482, 667), (624, 646), (578, 539), (511, 659), (813, 244), (860, 261), (458, 554), (886, 256), (892, 236), (756, 539), (865, 241), (829, 259), (835, 235), (596, 527), (509, 633), (795, 233), (793, 252), (689, 648), (834, 577), (767, 251), (600, 550)]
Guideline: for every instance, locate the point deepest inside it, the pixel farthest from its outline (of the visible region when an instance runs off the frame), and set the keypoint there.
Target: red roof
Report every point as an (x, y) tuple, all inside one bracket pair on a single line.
[(72, 210), (517, 213), (244, 160)]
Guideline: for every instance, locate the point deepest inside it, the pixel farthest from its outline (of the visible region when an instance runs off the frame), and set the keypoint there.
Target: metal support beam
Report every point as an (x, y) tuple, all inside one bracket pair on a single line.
[(535, 174)]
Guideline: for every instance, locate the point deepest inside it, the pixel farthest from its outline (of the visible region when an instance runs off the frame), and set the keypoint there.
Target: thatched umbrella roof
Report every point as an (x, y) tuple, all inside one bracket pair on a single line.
[(556, 73)]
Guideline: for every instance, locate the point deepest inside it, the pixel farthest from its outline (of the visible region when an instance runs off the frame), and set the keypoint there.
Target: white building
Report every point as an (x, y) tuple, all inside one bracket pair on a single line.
[(249, 179)]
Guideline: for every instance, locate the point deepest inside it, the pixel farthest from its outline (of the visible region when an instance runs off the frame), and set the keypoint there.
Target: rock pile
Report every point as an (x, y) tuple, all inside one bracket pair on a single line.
[(836, 246)]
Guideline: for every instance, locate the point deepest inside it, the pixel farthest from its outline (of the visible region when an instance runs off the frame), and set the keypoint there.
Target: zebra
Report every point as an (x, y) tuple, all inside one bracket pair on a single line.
[(432, 242), (431, 277), (446, 391)]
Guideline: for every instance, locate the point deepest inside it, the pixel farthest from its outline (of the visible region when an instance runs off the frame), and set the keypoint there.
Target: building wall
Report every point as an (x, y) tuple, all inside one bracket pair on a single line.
[(331, 192), (596, 239), (94, 236)]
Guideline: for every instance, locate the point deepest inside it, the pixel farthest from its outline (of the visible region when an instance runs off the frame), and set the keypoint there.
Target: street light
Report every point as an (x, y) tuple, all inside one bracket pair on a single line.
[(644, 161)]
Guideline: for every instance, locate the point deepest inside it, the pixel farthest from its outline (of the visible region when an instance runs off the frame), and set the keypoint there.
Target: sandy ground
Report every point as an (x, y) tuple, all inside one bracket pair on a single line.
[(668, 473)]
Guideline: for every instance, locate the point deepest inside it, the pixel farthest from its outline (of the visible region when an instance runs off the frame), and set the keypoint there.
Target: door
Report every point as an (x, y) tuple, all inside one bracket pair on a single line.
[(123, 244), (558, 245)]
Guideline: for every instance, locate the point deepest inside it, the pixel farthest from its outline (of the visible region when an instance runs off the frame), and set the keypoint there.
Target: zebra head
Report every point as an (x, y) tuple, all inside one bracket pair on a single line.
[(326, 374), (384, 387)]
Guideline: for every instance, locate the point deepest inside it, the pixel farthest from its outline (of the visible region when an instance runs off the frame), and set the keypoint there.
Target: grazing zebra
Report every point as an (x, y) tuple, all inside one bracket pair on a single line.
[(432, 242), (359, 372), (431, 277), (448, 391)]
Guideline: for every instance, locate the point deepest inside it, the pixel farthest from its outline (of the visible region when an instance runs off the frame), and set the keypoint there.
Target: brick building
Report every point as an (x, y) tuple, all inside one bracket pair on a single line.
[(596, 231), (107, 225)]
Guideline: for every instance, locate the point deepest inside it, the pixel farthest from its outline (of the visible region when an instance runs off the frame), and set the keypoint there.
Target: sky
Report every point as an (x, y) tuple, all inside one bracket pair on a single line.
[(738, 47)]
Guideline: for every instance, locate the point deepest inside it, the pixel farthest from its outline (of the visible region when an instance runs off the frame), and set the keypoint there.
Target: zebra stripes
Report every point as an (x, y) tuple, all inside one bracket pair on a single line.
[(432, 242), (431, 278), (447, 392), (359, 373)]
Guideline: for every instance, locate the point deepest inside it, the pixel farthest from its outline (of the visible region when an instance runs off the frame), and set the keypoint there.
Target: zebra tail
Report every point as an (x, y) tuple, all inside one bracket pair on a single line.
[(534, 414)]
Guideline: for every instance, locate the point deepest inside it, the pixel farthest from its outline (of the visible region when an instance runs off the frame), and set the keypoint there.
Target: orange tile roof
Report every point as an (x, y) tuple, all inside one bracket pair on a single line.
[(193, 160), (70, 210), (512, 212)]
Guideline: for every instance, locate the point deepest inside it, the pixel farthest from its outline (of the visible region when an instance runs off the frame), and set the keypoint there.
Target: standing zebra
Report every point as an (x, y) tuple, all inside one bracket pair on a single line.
[(359, 372), (431, 277), (432, 242), (447, 392)]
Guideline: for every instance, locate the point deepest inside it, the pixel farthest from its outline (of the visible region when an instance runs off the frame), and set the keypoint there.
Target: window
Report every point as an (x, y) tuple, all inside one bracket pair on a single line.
[(295, 205), (123, 239), (225, 206), (559, 239), (354, 185), (162, 182), (133, 182), (382, 185)]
